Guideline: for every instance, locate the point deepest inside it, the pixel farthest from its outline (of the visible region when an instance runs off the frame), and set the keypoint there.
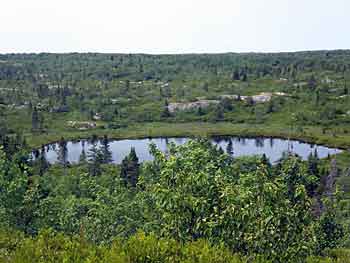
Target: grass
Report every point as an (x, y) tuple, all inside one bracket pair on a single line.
[(196, 129)]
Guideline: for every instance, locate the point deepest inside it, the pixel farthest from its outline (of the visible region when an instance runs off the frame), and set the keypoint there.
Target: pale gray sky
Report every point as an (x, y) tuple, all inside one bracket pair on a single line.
[(173, 26)]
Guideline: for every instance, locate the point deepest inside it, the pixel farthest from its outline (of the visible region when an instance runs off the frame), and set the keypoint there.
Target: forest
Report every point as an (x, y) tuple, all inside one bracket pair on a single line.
[(196, 202)]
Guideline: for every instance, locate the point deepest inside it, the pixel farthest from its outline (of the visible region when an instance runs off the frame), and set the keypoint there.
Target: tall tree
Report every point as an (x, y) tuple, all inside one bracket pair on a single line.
[(130, 168), (244, 77), (35, 119), (63, 154), (312, 82), (95, 159), (43, 163), (229, 148), (83, 157), (106, 152), (165, 113), (235, 75)]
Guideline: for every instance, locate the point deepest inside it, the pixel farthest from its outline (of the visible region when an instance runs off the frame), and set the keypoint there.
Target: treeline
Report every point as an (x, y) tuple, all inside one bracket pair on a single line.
[(75, 66)]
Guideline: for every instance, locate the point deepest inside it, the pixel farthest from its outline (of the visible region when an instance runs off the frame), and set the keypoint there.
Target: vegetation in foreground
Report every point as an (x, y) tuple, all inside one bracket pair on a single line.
[(49, 246), (195, 202)]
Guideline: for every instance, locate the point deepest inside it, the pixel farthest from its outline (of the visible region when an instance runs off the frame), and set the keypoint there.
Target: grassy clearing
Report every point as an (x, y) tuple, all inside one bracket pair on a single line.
[(197, 129)]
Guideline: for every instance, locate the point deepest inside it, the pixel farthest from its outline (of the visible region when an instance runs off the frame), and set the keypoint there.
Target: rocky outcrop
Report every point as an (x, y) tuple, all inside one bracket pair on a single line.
[(203, 103), (179, 106), (81, 125)]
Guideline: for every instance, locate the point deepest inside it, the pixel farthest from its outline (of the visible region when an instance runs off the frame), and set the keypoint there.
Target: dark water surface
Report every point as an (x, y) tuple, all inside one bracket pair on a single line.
[(273, 148)]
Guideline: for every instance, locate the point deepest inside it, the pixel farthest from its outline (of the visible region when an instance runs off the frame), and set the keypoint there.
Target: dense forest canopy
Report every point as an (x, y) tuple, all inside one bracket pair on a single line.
[(139, 67)]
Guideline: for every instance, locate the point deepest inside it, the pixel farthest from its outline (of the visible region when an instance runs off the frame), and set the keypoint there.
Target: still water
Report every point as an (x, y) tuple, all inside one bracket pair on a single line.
[(273, 148)]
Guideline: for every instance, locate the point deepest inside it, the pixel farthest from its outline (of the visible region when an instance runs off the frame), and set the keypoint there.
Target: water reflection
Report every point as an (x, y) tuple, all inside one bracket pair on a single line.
[(72, 152), (259, 142)]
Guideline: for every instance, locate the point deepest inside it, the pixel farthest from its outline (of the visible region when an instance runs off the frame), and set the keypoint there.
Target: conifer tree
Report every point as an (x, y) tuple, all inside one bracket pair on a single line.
[(63, 154), (43, 163), (229, 148), (106, 152), (82, 157), (130, 168), (165, 112), (95, 159), (235, 75), (35, 119)]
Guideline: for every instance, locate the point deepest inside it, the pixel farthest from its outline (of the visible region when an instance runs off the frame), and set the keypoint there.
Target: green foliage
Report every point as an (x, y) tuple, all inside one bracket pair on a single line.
[(92, 85), (295, 174), (129, 171), (95, 159), (195, 203), (197, 195), (13, 187), (329, 232), (50, 246), (333, 256)]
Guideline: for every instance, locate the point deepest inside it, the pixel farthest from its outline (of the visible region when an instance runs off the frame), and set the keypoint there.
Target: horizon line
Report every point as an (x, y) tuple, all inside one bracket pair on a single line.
[(172, 54)]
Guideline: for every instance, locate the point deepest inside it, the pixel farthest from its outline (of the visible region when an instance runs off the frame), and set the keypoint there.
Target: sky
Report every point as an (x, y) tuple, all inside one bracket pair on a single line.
[(173, 26)]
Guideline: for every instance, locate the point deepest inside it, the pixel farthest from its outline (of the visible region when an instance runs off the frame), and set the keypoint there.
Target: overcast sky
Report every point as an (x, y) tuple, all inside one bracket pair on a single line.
[(173, 26)]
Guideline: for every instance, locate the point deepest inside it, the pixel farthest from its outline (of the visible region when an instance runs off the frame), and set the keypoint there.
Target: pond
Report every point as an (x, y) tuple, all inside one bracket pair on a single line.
[(273, 148)]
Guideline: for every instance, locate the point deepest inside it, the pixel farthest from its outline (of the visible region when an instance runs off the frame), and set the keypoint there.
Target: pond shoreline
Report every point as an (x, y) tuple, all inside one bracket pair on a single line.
[(273, 148), (201, 130)]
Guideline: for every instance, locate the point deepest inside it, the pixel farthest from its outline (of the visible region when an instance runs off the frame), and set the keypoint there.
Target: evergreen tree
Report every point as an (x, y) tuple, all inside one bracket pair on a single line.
[(165, 113), (106, 152), (82, 157), (35, 119), (200, 111), (244, 77), (41, 122), (313, 164), (63, 154), (249, 101), (95, 159), (218, 113), (229, 148), (317, 97), (312, 83), (130, 168), (265, 160), (220, 151), (328, 230), (205, 87), (91, 115), (42, 161), (116, 112), (226, 103), (346, 90), (127, 86), (270, 107), (235, 75)]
